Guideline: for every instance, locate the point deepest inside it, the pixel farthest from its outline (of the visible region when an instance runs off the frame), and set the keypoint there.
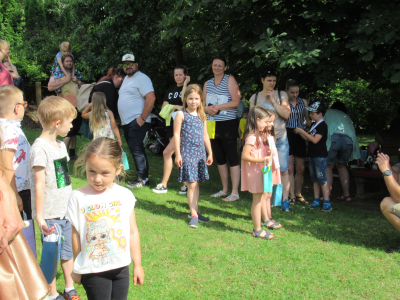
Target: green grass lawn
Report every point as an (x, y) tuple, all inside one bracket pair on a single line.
[(314, 255)]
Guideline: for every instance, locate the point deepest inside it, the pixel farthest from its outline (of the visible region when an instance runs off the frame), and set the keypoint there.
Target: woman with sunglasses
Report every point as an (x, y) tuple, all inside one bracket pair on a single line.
[(6, 77), (278, 102)]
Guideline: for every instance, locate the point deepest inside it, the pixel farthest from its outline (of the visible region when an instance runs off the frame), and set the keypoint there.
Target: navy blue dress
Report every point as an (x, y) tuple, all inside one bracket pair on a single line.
[(193, 152)]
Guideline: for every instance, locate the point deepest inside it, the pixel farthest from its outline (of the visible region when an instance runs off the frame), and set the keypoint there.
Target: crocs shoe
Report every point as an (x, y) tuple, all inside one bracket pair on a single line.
[(327, 207), (315, 204), (285, 205)]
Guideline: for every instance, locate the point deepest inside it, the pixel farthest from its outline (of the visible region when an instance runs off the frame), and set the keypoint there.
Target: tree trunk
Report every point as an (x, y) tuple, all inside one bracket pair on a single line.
[(178, 51)]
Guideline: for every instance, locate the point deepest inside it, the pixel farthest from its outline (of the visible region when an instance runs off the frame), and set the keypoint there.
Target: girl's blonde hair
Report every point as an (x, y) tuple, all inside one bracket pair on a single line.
[(258, 113), (103, 147), (97, 117), (65, 47), (4, 44), (195, 88)]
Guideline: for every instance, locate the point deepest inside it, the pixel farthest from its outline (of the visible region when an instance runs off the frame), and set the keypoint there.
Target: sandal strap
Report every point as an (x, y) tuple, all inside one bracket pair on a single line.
[(258, 233), (219, 194)]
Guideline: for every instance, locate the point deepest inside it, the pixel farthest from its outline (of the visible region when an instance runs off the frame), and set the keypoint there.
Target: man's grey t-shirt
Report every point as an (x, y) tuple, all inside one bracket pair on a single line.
[(58, 186), (131, 97)]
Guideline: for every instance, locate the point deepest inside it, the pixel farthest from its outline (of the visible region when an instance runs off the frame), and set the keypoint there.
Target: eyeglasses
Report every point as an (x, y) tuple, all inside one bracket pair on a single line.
[(130, 64), (24, 104)]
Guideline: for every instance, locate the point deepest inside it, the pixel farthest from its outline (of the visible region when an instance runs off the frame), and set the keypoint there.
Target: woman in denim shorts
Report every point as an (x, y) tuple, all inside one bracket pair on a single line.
[(342, 144)]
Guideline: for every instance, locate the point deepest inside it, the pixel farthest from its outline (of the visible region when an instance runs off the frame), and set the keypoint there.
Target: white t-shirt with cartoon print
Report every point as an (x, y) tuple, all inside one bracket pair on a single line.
[(102, 222), (14, 138)]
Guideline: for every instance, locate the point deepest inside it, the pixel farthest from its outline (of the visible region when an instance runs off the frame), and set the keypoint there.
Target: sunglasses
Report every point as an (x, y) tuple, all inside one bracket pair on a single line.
[(24, 104), (130, 64)]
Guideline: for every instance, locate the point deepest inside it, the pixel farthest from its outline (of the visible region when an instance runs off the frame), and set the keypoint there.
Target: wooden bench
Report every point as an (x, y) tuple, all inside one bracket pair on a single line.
[(368, 176)]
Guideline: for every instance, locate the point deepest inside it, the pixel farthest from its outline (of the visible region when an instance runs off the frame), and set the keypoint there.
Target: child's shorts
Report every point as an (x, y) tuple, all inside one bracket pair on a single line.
[(318, 169), (66, 231)]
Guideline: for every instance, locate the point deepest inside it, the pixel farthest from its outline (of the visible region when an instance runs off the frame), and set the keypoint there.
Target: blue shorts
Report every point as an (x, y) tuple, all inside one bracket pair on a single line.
[(318, 169), (282, 145), (66, 231), (341, 148)]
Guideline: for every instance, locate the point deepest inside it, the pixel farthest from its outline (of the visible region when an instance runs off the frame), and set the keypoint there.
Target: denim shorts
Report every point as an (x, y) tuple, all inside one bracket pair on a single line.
[(396, 209), (66, 231), (318, 169), (341, 148), (282, 145)]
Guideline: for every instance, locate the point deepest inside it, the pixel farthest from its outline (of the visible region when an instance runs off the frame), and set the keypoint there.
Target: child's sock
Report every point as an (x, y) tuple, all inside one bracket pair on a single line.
[(71, 152), (69, 289), (52, 297)]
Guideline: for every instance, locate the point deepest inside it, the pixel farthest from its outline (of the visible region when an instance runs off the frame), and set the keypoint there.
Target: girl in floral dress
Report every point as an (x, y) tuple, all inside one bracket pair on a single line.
[(191, 141), (101, 119)]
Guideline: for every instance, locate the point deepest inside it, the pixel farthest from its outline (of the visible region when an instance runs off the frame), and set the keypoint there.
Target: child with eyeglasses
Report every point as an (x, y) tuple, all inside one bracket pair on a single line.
[(16, 148)]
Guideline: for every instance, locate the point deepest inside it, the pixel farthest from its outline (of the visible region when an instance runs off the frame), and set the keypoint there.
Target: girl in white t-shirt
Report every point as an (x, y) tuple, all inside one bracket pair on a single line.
[(105, 237)]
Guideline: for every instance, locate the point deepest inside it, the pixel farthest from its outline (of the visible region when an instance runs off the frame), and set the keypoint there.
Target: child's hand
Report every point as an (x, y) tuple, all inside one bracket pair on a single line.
[(120, 142), (76, 278), (138, 275), (178, 160), (43, 227), (209, 160), (297, 130), (90, 105)]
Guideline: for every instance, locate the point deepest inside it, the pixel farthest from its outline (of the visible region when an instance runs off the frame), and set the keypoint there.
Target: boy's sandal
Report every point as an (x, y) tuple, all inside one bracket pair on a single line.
[(275, 225), (345, 198), (292, 201), (231, 198), (219, 194), (266, 236), (301, 200)]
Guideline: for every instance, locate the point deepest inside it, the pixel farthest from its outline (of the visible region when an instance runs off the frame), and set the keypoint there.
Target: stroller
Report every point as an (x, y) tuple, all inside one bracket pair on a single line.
[(156, 137)]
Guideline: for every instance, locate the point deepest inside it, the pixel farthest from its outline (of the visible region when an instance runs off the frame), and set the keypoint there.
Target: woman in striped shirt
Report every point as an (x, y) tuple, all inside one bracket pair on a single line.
[(297, 146), (222, 99)]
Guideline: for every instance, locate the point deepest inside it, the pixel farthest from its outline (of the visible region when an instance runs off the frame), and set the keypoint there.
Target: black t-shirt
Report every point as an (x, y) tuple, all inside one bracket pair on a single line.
[(318, 149), (107, 87), (173, 96)]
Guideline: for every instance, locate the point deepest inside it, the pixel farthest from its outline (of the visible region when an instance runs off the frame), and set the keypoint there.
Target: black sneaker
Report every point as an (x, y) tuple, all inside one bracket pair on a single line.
[(138, 183), (160, 189), (73, 158), (201, 218), (183, 190)]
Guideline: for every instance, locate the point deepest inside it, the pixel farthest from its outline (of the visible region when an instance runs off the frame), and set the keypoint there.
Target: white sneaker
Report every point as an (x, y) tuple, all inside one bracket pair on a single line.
[(183, 190), (160, 189)]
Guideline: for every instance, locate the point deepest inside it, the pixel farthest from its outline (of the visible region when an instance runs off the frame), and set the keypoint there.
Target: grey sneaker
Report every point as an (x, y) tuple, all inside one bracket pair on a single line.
[(71, 295), (138, 183), (160, 189), (193, 222), (183, 190), (201, 218)]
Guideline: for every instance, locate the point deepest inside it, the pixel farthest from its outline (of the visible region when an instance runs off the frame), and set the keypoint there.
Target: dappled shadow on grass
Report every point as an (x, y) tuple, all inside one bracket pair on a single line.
[(171, 212)]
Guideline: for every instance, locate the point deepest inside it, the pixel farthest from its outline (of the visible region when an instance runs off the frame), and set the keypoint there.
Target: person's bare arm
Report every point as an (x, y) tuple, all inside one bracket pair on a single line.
[(76, 249), (150, 98), (383, 162), (247, 157), (114, 127), (307, 115), (7, 155), (40, 184), (235, 95), (313, 139), (136, 254), (282, 109), (177, 137), (14, 70), (86, 111), (54, 85)]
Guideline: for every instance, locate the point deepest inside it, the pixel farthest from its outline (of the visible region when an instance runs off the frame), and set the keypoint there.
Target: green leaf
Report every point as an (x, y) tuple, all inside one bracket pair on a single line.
[(389, 36), (396, 66), (269, 32), (395, 78), (369, 56)]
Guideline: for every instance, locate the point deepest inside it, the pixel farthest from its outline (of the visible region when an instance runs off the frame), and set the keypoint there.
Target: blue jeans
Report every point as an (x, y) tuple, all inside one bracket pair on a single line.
[(282, 145), (318, 169), (341, 148), (134, 136)]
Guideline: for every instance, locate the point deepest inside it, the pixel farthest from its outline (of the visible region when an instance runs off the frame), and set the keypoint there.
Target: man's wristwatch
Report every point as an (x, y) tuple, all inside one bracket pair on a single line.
[(387, 173)]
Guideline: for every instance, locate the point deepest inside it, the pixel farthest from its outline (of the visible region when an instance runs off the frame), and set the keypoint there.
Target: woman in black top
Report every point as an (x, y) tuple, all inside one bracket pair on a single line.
[(109, 85), (297, 146), (172, 97)]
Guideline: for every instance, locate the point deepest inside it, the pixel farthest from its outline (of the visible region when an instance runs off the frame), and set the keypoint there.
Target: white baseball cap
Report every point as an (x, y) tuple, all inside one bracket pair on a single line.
[(128, 57)]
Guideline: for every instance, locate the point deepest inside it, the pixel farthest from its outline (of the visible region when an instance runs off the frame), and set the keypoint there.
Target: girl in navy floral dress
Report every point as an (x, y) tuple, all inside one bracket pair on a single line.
[(191, 141)]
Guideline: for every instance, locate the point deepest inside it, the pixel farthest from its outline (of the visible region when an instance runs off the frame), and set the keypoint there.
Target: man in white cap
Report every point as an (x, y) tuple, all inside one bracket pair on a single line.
[(135, 102)]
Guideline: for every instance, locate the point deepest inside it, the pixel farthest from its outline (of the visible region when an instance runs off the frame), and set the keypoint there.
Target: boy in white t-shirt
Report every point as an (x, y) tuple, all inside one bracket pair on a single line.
[(51, 183)]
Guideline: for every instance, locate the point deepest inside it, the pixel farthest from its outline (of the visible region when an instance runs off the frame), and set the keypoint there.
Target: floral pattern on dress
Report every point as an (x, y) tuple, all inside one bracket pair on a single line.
[(105, 130), (193, 152)]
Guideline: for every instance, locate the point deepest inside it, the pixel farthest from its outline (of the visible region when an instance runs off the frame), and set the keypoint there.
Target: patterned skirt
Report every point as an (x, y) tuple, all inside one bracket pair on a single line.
[(193, 171)]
